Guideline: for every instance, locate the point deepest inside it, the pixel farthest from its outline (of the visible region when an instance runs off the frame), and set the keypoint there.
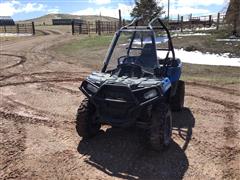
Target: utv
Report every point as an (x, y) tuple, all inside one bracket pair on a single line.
[(138, 85)]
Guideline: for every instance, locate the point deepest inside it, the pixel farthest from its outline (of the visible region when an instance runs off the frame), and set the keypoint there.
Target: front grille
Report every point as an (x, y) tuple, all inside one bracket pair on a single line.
[(114, 110), (115, 101), (115, 93)]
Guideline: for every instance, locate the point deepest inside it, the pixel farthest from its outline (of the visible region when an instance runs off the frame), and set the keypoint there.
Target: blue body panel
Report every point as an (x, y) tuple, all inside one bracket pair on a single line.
[(174, 73), (166, 84)]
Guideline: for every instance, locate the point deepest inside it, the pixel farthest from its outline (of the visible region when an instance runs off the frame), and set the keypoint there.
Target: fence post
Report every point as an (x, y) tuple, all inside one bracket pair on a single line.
[(79, 29), (73, 28), (99, 28), (33, 28), (120, 18), (88, 27), (17, 28), (218, 20), (5, 30), (190, 21), (181, 23), (96, 26), (210, 20)]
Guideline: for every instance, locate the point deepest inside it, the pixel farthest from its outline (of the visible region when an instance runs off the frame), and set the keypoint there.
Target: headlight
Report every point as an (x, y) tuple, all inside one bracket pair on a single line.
[(150, 94), (92, 88)]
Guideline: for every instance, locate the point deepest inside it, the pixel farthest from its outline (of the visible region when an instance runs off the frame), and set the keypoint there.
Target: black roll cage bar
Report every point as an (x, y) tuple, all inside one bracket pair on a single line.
[(133, 26)]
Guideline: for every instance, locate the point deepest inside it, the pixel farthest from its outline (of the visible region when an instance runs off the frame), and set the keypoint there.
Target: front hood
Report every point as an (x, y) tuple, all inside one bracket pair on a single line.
[(98, 79)]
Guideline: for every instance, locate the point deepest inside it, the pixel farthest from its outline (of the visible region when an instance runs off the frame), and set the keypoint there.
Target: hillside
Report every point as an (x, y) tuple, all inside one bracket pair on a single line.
[(48, 18)]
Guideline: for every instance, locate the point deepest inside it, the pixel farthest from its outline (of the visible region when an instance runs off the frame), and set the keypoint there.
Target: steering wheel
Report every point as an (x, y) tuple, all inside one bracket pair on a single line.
[(130, 70), (126, 60), (129, 64)]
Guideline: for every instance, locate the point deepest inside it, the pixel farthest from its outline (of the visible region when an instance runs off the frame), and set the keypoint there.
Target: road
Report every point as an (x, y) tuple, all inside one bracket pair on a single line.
[(39, 97)]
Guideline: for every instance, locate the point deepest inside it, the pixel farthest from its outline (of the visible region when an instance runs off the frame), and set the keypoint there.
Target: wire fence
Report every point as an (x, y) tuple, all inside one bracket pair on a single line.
[(28, 28)]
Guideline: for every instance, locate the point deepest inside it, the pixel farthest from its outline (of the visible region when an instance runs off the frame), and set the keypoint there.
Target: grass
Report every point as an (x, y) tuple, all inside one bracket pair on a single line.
[(90, 51), (211, 74), (207, 44), (93, 43)]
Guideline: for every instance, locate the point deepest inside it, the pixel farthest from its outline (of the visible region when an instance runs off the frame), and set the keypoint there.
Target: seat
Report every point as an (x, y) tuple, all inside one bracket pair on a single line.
[(148, 56)]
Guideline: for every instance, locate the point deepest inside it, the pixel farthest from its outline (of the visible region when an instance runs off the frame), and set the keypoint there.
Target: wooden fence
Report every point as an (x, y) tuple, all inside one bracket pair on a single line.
[(19, 28), (179, 23), (98, 27), (190, 22)]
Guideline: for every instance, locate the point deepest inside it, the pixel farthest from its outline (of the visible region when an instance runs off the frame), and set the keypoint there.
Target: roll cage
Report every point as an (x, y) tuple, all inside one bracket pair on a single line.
[(153, 25)]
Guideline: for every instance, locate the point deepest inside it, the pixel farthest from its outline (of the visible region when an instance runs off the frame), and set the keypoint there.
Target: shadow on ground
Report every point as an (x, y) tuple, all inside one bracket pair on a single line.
[(118, 153)]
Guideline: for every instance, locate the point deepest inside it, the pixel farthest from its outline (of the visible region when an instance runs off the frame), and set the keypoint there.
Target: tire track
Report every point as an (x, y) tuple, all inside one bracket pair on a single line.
[(7, 77), (54, 32), (64, 77), (70, 91), (227, 104), (35, 121), (215, 88), (37, 111), (21, 61), (41, 81), (228, 153), (12, 150)]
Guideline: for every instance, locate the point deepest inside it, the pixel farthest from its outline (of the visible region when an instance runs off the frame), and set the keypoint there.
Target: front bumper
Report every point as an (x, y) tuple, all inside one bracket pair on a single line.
[(118, 105)]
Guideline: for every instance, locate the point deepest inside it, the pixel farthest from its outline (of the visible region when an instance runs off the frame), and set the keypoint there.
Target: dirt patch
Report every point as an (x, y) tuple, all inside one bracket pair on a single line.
[(39, 99), (11, 61)]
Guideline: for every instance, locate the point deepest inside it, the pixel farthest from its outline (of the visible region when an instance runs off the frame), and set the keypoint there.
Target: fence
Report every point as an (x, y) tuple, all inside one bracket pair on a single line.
[(190, 22), (179, 23), (19, 28), (98, 27)]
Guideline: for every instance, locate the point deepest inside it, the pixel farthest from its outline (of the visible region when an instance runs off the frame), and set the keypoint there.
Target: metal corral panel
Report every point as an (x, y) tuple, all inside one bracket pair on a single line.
[(66, 21)]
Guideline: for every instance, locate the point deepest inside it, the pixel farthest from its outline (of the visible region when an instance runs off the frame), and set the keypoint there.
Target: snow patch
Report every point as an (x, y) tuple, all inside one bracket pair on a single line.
[(190, 34), (228, 40), (197, 57), (14, 34)]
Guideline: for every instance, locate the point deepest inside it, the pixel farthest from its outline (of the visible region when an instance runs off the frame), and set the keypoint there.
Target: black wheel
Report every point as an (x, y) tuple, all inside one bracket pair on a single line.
[(86, 120), (177, 101), (161, 127)]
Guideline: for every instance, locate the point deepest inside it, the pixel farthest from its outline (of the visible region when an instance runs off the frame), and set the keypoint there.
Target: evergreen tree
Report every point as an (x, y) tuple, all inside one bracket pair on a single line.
[(146, 8)]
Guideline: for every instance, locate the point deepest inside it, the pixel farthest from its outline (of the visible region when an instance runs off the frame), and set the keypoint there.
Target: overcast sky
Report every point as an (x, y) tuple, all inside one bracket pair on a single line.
[(26, 9)]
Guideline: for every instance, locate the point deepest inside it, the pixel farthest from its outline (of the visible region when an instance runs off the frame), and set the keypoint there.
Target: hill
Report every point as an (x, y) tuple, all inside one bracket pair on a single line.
[(47, 19)]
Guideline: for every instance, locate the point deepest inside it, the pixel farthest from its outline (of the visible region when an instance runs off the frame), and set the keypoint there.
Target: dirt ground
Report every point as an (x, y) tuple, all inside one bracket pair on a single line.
[(39, 97)]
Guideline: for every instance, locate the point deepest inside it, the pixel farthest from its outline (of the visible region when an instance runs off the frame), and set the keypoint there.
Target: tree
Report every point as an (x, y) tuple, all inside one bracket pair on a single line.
[(233, 16), (147, 8)]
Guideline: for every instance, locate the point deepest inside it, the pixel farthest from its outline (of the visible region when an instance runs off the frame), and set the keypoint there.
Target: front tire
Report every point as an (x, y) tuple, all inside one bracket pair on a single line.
[(177, 101), (86, 120), (161, 127)]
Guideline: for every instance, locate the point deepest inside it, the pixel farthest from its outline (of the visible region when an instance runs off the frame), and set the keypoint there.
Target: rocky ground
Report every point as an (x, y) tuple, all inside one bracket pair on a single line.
[(39, 97)]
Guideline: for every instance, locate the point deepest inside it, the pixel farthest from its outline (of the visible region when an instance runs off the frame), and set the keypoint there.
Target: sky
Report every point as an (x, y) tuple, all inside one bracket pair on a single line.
[(27, 9)]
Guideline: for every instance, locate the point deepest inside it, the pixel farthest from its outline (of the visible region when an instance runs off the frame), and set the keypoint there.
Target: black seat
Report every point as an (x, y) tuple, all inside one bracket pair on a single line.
[(148, 56)]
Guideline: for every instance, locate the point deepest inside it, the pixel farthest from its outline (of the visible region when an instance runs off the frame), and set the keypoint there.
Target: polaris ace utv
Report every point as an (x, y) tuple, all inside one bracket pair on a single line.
[(138, 85)]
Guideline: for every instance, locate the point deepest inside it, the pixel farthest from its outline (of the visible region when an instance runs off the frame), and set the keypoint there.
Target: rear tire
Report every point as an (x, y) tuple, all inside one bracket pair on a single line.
[(177, 101), (161, 127), (86, 120)]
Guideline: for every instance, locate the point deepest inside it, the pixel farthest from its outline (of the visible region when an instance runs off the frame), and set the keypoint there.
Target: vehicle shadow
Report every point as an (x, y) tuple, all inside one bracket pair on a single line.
[(118, 153)]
